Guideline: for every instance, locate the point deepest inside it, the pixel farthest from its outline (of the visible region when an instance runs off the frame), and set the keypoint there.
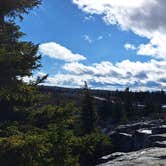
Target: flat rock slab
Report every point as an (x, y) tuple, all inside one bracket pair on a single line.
[(157, 137), (161, 144), (146, 157)]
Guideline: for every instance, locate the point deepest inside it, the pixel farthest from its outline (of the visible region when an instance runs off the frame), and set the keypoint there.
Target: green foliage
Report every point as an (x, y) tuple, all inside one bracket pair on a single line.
[(117, 112), (37, 134), (16, 8), (54, 114), (105, 110), (9, 129), (128, 103), (18, 59), (24, 149), (52, 142), (91, 147), (88, 115), (62, 140)]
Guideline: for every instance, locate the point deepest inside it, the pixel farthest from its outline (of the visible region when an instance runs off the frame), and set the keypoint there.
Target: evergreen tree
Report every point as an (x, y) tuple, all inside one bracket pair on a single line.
[(128, 103), (15, 8), (105, 109), (88, 115), (17, 58)]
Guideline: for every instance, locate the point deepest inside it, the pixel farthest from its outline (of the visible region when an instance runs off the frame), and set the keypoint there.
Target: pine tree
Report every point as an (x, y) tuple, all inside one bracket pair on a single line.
[(17, 58), (128, 103), (88, 115)]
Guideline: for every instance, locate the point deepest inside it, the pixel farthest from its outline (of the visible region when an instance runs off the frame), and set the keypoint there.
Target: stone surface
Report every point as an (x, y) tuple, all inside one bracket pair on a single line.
[(159, 130), (118, 140), (146, 157), (142, 143), (157, 137), (136, 136), (161, 144)]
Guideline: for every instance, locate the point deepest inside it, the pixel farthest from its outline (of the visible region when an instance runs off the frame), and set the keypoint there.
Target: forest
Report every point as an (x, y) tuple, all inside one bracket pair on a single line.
[(42, 125)]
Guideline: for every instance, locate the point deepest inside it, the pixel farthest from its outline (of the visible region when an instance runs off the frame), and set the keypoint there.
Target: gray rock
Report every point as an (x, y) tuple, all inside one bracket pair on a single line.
[(159, 130), (144, 142), (161, 144), (122, 142), (140, 125), (146, 157), (141, 139), (157, 137), (136, 136)]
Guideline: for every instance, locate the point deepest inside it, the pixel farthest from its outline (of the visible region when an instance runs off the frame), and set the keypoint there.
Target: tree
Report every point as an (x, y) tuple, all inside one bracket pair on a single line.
[(105, 109), (16, 8), (88, 115), (128, 103), (17, 58)]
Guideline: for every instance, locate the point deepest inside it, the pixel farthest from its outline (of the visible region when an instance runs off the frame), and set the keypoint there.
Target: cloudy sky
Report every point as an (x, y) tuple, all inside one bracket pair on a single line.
[(111, 44)]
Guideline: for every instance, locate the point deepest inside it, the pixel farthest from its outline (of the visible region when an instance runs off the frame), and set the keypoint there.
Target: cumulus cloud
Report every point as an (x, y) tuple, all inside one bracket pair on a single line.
[(146, 18), (137, 75), (57, 51)]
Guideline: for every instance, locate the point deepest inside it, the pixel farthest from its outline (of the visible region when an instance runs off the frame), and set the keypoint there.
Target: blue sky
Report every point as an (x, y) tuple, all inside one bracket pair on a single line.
[(110, 44)]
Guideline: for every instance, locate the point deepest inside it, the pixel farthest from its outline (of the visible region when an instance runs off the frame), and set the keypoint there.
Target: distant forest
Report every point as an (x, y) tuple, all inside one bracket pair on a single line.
[(113, 105)]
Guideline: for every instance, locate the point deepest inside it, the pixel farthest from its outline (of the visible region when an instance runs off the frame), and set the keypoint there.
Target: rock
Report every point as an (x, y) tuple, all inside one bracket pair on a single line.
[(159, 130), (133, 127), (146, 157), (157, 137), (144, 131), (111, 157), (161, 144), (138, 135), (141, 139), (144, 142), (122, 142), (139, 125)]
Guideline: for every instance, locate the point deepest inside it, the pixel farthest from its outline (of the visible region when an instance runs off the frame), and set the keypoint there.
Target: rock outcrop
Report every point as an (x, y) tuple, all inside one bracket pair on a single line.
[(136, 136), (146, 157), (142, 143)]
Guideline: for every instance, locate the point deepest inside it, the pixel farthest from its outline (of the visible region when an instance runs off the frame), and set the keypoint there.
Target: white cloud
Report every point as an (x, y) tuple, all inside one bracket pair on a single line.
[(129, 46), (87, 38), (57, 51), (145, 18), (89, 18), (28, 79), (137, 75), (32, 79), (90, 40), (155, 48), (100, 38)]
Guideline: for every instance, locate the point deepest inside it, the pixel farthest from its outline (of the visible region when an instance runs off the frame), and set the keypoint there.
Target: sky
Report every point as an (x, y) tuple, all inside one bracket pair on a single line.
[(111, 44)]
